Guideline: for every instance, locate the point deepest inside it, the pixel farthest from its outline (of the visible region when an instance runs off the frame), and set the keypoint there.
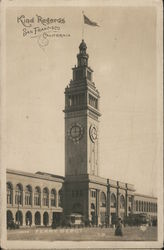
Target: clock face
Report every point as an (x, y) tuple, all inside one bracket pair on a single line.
[(93, 133), (75, 133)]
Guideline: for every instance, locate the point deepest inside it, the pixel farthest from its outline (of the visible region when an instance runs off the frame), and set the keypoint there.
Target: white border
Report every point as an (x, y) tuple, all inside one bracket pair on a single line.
[(82, 244)]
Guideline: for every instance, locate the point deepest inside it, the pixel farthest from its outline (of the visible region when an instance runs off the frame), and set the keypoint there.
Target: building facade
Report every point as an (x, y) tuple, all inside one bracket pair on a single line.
[(40, 199), (34, 199)]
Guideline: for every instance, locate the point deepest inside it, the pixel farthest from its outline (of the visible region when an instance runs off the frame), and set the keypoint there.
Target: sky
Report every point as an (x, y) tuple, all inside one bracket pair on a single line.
[(122, 53)]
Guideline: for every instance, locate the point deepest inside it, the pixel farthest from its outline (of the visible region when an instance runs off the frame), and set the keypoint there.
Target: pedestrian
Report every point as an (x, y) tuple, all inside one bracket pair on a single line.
[(118, 231)]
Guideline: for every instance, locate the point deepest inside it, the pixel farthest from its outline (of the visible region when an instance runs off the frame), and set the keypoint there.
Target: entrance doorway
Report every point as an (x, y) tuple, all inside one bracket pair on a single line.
[(28, 218), (45, 218), (56, 218), (9, 217), (37, 218), (93, 214), (19, 218), (113, 218)]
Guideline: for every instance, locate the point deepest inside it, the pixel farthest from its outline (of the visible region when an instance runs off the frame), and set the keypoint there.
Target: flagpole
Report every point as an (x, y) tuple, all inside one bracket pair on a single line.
[(82, 24)]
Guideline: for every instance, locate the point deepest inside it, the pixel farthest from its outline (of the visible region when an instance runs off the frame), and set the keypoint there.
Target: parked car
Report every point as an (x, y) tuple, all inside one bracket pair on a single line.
[(12, 225)]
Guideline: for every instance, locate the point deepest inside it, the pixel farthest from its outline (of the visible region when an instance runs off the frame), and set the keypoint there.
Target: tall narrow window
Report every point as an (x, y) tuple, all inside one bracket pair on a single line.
[(102, 200), (28, 195), (60, 198), (53, 198), (45, 197), (37, 196), (113, 200), (19, 194), (9, 193), (122, 201)]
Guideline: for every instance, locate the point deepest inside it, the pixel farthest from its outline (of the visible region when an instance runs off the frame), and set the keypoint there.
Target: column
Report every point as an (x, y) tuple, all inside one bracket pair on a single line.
[(132, 204), (89, 205), (23, 198), (126, 202), (32, 199), (41, 219), (33, 218), (41, 197), (108, 204), (13, 201), (23, 218), (118, 201), (57, 198), (97, 207)]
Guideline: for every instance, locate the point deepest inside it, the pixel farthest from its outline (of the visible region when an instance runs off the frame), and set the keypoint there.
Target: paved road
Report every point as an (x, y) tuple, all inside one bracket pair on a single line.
[(83, 234)]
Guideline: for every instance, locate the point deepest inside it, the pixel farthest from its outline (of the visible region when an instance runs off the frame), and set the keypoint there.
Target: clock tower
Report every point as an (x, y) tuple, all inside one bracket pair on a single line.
[(81, 120)]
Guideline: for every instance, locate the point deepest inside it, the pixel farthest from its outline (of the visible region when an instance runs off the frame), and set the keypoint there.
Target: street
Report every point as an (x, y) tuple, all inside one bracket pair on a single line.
[(83, 234)]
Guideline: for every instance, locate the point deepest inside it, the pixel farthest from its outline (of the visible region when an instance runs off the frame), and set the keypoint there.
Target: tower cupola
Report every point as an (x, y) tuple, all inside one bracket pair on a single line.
[(82, 57)]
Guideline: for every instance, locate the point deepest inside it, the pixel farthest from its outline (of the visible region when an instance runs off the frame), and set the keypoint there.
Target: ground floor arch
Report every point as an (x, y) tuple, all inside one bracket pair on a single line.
[(93, 214), (28, 218), (19, 218), (45, 219), (37, 218), (9, 216)]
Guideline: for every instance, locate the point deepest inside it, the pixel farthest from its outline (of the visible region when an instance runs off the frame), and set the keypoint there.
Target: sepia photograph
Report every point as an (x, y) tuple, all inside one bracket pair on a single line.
[(81, 124)]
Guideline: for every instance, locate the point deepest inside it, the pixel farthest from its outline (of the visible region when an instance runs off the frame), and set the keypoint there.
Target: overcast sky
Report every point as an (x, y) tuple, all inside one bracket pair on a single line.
[(122, 53)]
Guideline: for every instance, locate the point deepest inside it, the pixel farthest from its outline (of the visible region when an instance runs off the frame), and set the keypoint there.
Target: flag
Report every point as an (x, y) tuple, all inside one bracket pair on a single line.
[(89, 22)]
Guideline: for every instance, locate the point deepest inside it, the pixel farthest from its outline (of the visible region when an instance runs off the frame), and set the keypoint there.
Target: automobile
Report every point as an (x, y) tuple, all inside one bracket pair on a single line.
[(12, 225), (75, 220)]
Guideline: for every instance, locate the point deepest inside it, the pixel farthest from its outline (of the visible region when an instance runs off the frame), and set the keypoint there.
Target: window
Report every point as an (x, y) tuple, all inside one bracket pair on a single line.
[(136, 205), (60, 198), (79, 74), (122, 201), (93, 101), (37, 196), (9, 193), (142, 206), (19, 194), (89, 75), (81, 193), (76, 100), (28, 195), (45, 197), (139, 205), (53, 198), (113, 201), (102, 199), (93, 193)]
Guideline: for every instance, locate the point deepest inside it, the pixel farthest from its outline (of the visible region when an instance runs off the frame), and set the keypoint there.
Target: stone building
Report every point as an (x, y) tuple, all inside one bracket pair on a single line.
[(42, 198), (34, 199)]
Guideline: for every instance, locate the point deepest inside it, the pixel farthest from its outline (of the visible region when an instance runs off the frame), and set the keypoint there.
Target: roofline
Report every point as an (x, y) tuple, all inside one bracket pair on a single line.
[(145, 195), (38, 176)]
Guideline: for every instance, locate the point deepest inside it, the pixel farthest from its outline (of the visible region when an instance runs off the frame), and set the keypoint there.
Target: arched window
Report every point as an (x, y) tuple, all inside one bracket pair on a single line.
[(19, 194), (102, 199), (92, 206), (53, 198), (28, 195), (142, 206), (136, 205), (60, 198), (37, 195), (113, 200), (139, 205), (149, 207), (122, 201), (37, 218), (9, 193), (45, 197)]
